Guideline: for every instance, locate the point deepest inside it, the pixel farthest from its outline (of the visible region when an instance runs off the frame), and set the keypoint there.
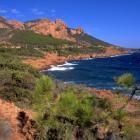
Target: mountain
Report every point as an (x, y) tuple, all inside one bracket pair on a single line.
[(42, 29)]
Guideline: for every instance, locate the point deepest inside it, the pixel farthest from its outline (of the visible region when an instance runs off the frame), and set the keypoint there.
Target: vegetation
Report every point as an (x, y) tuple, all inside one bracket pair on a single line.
[(73, 114), (85, 38), (64, 111), (32, 44), (33, 39), (78, 51), (127, 81), (64, 114), (22, 52), (17, 80)]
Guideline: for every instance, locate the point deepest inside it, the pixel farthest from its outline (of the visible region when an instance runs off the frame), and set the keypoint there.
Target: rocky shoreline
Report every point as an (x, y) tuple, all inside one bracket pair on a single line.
[(54, 59)]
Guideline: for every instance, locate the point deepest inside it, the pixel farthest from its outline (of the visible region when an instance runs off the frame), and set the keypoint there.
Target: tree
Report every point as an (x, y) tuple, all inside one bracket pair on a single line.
[(42, 101), (128, 81)]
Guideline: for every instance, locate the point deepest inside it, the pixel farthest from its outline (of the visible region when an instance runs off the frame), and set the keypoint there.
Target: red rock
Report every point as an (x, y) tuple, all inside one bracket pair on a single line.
[(17, 24)]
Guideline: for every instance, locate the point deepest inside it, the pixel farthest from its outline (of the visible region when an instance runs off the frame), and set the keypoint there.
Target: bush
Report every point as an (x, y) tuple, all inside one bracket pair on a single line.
[(23, 51), (43, 85), (126, 80), (17, 81), (119, 114), (89, 39), (104, 103), (131, 131), (61, 112), (32, 38)]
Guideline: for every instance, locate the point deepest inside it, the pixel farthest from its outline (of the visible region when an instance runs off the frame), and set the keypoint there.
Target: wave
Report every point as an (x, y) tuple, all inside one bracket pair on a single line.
[(67, 64), (60, 68), (63, 67), (121, 55), (87, 58)]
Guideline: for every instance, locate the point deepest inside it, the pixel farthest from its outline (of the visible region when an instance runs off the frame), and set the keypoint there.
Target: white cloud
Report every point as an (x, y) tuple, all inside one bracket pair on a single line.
[(3, 11), (53, 11), (20, 15), (15, 11), (34, 10), (37, 12)]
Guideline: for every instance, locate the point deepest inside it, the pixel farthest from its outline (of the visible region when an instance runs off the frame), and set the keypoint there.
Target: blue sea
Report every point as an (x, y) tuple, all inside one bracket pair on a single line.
[(97, 72)]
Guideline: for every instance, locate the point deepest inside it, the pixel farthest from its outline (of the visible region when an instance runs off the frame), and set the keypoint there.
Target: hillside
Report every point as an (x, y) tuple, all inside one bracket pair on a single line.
[(38, 37), (35, 107), (16, 31)]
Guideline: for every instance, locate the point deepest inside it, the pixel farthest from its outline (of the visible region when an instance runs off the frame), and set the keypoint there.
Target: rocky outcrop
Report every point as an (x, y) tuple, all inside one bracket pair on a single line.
[(76, 31), (4, 23), (57, 28), (17, 24), (27, 126), (11, 127), (2, 18)]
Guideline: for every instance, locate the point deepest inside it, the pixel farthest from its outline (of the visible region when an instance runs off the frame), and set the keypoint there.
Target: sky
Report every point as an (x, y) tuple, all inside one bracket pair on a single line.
[(114, 21)]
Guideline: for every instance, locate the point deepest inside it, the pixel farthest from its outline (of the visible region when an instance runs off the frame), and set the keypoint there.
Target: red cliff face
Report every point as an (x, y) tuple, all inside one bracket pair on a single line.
[(2, 18), (57, 28), (76, 31), (17, 24), (3, 23)]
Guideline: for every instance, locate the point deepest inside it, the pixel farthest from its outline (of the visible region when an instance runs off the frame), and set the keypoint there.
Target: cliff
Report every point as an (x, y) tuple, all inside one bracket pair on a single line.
[(57, 28)]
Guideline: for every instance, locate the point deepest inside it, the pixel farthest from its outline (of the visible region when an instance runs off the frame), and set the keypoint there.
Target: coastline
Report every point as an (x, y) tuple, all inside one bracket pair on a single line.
[(53, 59)]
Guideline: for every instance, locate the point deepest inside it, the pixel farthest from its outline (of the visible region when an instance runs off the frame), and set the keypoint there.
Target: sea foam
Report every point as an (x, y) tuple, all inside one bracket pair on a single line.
[(64, 67)]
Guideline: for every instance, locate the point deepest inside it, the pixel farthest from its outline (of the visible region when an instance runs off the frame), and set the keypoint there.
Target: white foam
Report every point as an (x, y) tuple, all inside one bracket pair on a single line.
[(87, 58), (121, 55), (67, 64), (60, 68), (63, 67)]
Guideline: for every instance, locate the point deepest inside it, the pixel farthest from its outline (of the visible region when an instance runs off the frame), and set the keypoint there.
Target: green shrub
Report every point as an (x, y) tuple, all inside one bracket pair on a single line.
[(17, 81), (44, 84), (93, 41), (119, 114), (131, 131), (32, 38), (104, 103), (22, 52), (61, 112), (126, 80), (77, 51)]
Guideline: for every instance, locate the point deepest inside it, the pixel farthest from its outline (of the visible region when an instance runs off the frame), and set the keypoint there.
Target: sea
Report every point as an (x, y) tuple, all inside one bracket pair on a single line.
[(99, 73)]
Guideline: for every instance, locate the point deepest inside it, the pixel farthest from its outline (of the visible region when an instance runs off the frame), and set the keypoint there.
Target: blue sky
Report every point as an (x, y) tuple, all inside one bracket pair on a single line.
[(114, 21)]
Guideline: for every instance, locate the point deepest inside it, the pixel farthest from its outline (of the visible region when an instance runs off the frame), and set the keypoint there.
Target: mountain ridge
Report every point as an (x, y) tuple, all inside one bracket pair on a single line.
[(56, 29)]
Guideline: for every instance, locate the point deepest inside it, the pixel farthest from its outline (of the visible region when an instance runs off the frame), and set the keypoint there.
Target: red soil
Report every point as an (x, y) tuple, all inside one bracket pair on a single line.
[(53, 59), (9, 113)]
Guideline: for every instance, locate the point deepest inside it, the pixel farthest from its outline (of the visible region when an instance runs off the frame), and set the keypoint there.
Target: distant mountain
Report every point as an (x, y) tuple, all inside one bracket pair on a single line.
[(40, 30)]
